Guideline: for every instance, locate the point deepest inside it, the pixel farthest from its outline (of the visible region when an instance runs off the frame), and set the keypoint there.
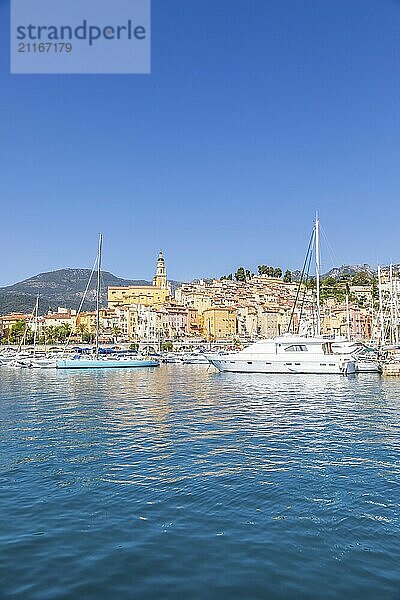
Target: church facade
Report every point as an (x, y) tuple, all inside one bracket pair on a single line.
[(146, 295)]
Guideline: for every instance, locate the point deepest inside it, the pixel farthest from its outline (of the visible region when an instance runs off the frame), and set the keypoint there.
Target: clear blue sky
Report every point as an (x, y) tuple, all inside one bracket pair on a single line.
[(256, 113)]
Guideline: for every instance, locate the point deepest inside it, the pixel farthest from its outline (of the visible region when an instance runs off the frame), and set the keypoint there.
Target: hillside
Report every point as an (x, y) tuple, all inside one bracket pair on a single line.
[(64, 287), (339, 272)]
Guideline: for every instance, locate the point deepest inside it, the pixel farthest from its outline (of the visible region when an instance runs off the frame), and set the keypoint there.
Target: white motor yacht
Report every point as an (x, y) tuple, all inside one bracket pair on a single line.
[(286, 354), (365, 358)]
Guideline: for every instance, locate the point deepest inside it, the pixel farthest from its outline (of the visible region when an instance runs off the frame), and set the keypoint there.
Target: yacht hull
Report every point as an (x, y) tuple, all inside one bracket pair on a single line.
[(284, 367), (368, 367), (104, 364), (44, 363)]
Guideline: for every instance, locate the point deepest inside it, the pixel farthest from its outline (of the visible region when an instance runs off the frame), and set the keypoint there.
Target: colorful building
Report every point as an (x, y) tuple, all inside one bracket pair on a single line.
[(7, 322), (219, 322), (146, 295)]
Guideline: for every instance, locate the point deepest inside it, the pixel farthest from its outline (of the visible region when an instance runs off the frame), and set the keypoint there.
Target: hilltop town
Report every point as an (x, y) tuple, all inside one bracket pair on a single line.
[(231, 310)]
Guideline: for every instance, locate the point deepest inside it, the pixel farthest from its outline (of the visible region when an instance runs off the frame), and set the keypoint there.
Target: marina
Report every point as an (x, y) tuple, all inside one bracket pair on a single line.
[(278, 355)]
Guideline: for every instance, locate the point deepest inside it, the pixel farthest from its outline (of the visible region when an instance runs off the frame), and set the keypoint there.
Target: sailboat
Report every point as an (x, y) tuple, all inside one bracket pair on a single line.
[(22, 357), (98, 361), (40, 360)]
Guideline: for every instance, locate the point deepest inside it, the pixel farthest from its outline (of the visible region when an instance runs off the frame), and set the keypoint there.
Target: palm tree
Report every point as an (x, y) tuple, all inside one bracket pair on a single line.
[(116, 331), (82, 329)]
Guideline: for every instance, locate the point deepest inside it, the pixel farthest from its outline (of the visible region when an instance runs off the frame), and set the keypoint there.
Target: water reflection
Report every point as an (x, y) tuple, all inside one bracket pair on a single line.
[(162, 462)]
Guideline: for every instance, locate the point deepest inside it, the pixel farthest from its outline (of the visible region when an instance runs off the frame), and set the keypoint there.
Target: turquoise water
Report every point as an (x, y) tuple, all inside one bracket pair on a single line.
[(179, 482)]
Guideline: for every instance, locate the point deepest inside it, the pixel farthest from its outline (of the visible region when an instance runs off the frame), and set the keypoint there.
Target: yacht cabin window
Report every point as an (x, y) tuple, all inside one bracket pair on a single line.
[(296, 348)]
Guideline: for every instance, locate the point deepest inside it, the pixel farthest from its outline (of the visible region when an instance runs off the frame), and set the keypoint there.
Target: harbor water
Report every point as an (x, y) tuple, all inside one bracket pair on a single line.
[(178, 482)]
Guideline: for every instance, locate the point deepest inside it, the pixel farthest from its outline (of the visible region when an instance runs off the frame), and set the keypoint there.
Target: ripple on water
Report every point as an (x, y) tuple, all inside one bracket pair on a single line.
[(180, 482)]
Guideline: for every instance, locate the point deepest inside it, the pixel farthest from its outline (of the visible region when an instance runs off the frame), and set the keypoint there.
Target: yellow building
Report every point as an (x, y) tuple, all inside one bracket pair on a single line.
[(219, 322), (192, 299), (147, 295), (86, 322), (7, 321)]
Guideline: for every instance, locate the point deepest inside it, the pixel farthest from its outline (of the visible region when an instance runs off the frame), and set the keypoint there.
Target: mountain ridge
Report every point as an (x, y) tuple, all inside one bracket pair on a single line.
[(351, 270), (347, 270), (63, 287)]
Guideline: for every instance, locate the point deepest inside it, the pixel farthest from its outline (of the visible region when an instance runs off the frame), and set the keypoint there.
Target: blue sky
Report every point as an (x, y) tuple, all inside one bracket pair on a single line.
[(257, 112)]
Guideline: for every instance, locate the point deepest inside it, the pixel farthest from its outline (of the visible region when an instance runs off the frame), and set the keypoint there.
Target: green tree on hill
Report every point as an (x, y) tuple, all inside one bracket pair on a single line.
[(329, 282), (361, 278), (240, 274), (311, 283), (287, 278), (330, 288)]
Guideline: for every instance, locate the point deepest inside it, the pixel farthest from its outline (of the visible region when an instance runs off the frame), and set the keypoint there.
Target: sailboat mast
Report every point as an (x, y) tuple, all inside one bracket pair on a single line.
[(98, 294), (317, 273), (382, 322), (348, 317), (392, 323), (36, 325), (396, 311)]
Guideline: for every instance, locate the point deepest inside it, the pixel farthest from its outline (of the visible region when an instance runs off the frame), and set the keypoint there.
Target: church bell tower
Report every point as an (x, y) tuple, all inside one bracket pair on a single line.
[(160, 280)]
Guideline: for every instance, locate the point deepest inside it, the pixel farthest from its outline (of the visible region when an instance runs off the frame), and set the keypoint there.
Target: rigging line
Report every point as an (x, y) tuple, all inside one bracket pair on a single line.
[(301, 279), (305, 287), (27, 323), (83, 300), (305, 290), (334, 258), (98, 288)]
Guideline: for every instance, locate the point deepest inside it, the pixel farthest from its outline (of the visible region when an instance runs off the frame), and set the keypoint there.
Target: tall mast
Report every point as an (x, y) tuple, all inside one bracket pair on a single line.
[(98, 294), (392, 323), (372, 314), (348, 317), (396, 311), (317, 273), (382, 323), (36, 325)]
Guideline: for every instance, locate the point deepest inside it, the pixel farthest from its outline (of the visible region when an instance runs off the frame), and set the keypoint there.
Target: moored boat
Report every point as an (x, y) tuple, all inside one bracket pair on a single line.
[(104, 363), (290, 354), (45, 362), (195, 359), (99, 360)]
